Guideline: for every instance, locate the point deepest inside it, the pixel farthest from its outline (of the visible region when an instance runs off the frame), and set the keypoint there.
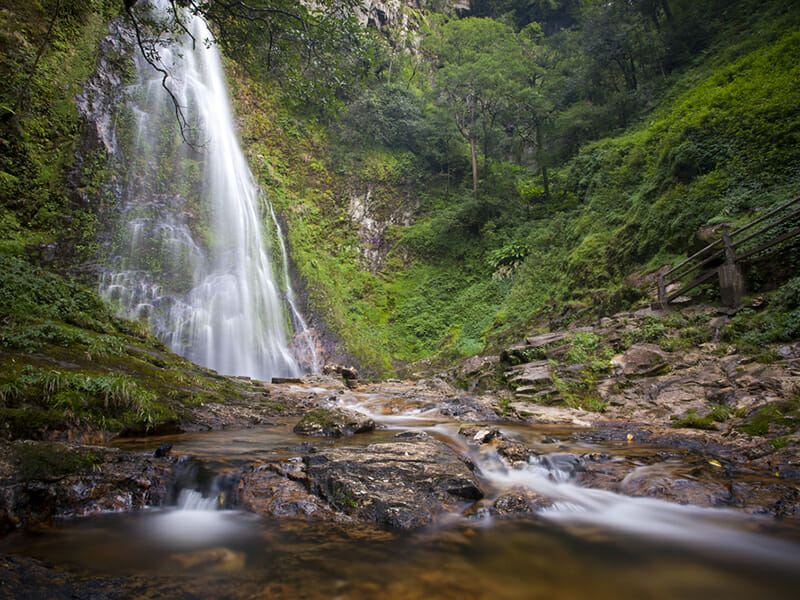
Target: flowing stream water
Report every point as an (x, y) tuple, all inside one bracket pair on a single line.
[(590, 543), (193, 256)]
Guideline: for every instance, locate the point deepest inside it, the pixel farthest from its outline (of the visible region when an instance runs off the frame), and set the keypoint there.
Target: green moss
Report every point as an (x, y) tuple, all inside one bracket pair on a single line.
[(780, 416), (30, 423), (718, 414), (320, 416), (43, 460)]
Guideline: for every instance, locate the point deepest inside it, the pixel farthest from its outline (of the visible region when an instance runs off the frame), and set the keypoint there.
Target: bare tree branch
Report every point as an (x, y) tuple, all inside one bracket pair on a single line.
[(150, 56)]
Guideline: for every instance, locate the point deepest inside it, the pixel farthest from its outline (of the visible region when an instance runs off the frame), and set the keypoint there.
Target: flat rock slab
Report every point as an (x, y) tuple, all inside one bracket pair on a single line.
[(547, 338), (404, 484), (533, 375)]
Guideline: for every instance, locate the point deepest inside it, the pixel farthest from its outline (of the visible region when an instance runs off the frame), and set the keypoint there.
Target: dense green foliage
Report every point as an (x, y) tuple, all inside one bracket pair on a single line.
[(66, 363), (604, 136), (45, 56)]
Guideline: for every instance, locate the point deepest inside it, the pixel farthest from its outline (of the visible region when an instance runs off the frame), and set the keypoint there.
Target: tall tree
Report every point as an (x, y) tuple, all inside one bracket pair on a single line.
[(480, 67), (536, 101)]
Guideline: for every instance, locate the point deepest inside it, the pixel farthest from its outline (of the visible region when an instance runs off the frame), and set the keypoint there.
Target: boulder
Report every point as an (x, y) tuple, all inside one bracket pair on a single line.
[(671, 484), (514, 451), (263, 491), (345, 373), (349, 373), (640, 360), (478, 434), (477, 364), (334, 422), (519, 501), (403, 484)]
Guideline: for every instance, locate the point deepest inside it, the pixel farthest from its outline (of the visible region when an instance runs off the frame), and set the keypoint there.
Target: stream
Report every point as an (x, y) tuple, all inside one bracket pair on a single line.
[(587, 542)]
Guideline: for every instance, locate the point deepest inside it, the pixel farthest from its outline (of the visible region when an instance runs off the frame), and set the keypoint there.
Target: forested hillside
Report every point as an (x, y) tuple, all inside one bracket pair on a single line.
[(450, 178), (530, 162)]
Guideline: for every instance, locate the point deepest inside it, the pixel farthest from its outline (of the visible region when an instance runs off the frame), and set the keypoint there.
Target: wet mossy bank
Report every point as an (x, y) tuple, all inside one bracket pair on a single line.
[(69, 369)]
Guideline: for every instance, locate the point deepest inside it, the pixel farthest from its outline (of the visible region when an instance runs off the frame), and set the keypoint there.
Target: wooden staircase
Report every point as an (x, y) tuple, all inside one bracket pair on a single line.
[(724, 258)]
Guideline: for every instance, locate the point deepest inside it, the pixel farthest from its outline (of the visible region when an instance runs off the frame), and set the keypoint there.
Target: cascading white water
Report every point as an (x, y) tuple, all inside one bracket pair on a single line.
[(193, 260), (305, 333)]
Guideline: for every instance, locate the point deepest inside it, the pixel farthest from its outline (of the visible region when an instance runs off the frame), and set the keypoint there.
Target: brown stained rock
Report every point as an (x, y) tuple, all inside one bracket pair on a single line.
[(520, 501), (334, 422), (513, 451), (263, 491), (401, 484)]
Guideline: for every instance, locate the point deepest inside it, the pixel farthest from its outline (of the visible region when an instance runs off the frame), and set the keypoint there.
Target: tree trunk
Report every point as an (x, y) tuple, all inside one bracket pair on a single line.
[(472, 150), (540, 160), (474, 165)]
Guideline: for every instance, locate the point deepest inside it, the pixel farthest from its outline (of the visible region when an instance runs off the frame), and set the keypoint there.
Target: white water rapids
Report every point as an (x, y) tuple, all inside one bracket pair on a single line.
[(196, 262)]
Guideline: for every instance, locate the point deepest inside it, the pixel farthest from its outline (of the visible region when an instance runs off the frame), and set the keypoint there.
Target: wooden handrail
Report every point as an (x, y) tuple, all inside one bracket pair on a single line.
[(728, 250)]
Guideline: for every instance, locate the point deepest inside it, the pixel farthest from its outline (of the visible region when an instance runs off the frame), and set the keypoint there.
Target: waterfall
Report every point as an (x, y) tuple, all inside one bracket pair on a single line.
[(305, 334), (191, 257)]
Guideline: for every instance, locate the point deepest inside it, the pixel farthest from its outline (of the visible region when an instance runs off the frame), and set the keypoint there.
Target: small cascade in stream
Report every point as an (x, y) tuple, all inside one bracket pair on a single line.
[(194, 500), (191, 257)]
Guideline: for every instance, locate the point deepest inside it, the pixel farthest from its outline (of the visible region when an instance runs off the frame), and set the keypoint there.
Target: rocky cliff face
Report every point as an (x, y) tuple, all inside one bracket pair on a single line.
[(389, 13)]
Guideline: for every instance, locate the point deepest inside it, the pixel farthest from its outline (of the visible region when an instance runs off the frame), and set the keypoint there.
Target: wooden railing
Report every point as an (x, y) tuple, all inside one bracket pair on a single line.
[(724, 257)]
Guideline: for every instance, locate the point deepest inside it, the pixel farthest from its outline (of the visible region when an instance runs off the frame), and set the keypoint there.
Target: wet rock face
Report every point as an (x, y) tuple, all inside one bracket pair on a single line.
[(518, 502), (105, 90), (37, 484), (271, 491), (334, 422), (404, 484)]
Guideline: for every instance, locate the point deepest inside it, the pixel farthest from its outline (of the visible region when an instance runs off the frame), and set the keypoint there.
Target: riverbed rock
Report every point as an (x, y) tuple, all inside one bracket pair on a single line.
[(479, 434), (403, 484), (273, 490), (40, 481), (513, 451), (668, 481), (519, 501), (334, 422)]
